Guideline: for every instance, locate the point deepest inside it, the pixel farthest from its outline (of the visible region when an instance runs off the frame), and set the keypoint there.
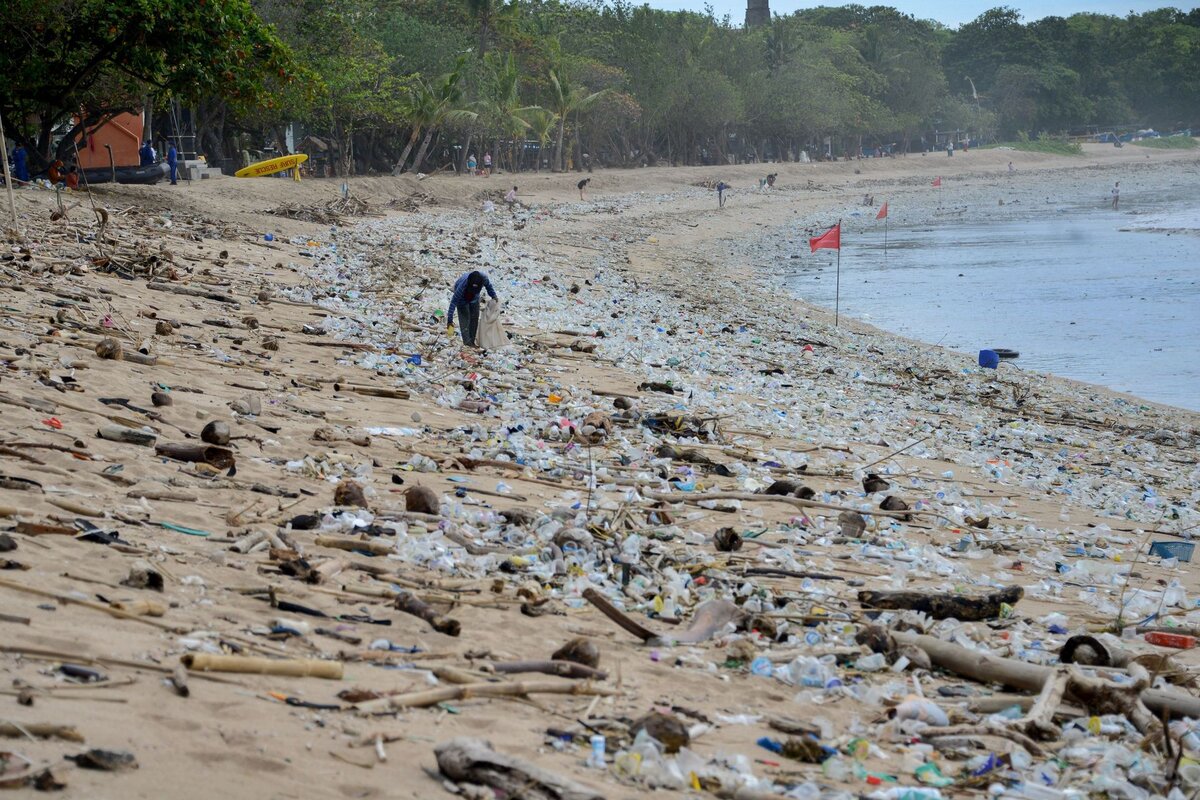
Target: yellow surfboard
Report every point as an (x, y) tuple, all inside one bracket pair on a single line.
[(271, 166)]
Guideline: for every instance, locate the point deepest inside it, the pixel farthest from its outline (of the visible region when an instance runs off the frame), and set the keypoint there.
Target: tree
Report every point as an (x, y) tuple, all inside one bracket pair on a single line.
[(429, 107), (567, 99), (500, 106), (541, 122), (97, 58)]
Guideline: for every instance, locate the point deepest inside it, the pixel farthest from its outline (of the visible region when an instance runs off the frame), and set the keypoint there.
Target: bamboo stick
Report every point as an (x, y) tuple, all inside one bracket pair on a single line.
[(295, 667)]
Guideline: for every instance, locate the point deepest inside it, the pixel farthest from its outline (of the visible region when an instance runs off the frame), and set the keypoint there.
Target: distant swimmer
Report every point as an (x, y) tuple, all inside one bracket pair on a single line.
[(582, 185)]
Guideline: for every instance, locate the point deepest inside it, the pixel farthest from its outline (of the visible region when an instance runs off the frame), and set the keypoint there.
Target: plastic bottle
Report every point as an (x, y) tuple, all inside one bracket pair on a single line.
[(762, 667), (595, 758), (872, 663), (1176, 640)]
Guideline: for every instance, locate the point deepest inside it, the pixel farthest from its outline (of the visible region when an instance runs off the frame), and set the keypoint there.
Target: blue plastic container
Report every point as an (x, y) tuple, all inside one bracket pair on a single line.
[(989, 359), (1178, 550)]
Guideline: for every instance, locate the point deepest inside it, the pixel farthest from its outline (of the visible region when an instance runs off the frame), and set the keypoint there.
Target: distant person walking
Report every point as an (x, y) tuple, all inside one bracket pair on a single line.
[(582, 185), (20, 162), (487, 164), (173, 163), (468, 291), (721, 187), (471, 164), (1116, 195)]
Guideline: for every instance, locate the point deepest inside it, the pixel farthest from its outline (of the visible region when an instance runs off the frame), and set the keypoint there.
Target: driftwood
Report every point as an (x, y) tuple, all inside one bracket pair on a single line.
[(444, 694), (410, 604), (474, 761), (944, 606), (616, 615), (218, 457), (207, 294), (709, 619), (1032, 677), (70, 600), (377, 548), (985, 729), (43, 730), (563, 669)]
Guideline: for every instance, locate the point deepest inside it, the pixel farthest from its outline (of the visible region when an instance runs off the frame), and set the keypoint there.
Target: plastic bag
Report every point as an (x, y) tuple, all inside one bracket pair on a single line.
[(491, 334)]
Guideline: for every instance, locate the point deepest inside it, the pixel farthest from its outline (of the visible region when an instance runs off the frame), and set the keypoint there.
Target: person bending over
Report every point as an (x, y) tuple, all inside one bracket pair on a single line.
[(468, 291)]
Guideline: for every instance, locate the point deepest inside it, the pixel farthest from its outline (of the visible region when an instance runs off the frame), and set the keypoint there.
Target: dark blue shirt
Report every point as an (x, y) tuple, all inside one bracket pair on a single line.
[(459, 298)]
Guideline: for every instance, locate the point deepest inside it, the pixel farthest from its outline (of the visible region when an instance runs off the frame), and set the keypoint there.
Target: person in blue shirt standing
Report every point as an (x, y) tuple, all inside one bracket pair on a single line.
[(722, 187), (146, 154), (468, 291), (173, 162), (20, 161)]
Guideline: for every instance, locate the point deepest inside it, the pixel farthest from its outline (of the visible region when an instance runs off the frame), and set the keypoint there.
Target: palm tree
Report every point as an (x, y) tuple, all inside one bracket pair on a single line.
[(484, 12), (542, 122), (566, 99), (501, 101), (429, 107)]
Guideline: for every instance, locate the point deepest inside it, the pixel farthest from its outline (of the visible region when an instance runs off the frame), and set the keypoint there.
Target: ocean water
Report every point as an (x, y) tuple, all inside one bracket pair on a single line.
[(1111, 298)]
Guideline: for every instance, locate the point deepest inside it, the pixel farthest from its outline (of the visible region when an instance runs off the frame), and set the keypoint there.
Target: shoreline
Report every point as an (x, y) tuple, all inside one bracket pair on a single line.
[(313, 372)]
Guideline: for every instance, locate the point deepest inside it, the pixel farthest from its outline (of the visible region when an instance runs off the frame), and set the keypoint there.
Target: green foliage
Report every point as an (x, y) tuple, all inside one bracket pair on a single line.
[(59, 57), (1042, 144), (615, 78), (1170, 143)]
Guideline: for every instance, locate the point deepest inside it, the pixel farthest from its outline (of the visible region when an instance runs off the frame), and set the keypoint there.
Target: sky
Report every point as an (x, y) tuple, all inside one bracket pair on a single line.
[(951, 14)]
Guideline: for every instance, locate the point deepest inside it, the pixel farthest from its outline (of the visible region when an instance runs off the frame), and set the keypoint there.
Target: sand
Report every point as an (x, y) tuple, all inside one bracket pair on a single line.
[(648, 244)]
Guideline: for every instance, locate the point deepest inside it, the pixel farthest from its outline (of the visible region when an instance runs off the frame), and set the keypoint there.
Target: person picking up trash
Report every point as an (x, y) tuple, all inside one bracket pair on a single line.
[(468, 291)]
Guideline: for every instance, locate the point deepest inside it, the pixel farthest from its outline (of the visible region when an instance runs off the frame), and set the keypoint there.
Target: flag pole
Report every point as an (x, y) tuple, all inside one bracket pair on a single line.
[(837, 292)]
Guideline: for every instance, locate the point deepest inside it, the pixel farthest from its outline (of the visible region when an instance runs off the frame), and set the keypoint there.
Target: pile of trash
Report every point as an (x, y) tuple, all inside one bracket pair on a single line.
[(740, 555)]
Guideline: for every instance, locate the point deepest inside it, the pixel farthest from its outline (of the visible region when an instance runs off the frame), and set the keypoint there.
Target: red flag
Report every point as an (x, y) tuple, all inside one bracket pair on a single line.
[(937, 181), (831, 239), (882, 211)]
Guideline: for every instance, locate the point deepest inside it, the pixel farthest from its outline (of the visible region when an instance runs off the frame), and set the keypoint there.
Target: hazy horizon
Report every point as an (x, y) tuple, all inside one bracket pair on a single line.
[(951, 15)]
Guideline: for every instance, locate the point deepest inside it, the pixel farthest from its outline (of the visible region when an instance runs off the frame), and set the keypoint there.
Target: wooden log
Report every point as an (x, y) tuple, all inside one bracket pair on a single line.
[(443, 694), (987, 668), (563, 669), (410, 604), (375, 547), (217, 457), (43, 730), (944, 606), (616, 615), (469, 760), (207, 294), (293, 667), (69, 600)]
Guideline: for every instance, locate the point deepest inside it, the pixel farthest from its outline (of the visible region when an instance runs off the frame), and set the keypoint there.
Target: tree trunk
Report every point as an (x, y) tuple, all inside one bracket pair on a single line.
[(147, 120), (422, 151), (412, 140), (466, 151), (558, 147)]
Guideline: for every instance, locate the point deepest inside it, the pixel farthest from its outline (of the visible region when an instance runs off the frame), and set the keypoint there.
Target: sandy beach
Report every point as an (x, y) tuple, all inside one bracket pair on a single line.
[(321, 351)]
